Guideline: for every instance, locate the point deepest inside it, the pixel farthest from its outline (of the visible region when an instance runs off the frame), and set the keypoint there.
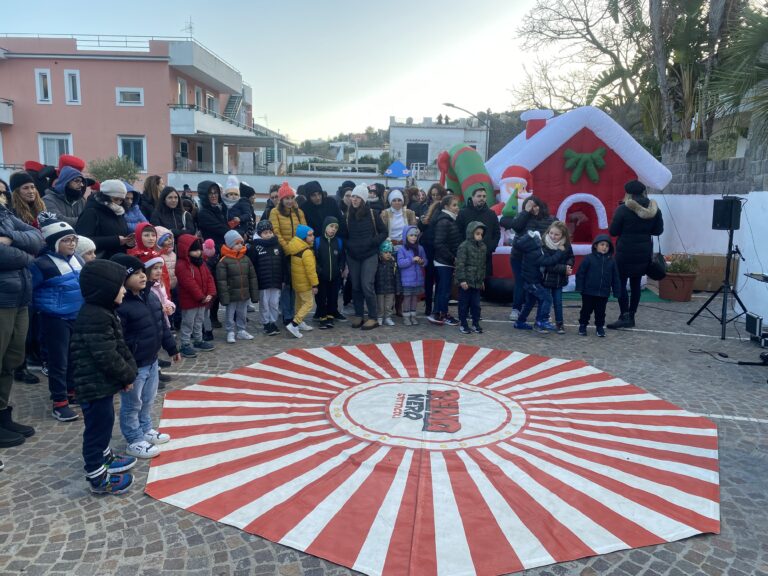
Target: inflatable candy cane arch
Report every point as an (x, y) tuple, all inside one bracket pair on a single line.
[(462, 170)]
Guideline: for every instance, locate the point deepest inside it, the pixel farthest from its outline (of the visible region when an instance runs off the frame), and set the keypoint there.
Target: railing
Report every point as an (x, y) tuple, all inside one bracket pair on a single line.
[(256, 128), (190, 165)]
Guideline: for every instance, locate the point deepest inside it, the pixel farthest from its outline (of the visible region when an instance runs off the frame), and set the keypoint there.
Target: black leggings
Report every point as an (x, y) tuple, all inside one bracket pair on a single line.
[(628, 302)]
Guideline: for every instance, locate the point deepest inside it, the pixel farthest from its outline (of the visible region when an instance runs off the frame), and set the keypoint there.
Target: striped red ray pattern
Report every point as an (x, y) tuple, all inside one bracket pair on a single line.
[(592, 465)]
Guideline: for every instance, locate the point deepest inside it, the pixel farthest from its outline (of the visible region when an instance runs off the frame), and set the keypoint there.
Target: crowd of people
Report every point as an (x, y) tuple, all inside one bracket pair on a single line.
[(97, 277)]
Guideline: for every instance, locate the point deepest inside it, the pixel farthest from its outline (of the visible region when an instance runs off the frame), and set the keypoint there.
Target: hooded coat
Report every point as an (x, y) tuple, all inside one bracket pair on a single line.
[(26, 243), (102, 225), (236, 277), (101, 361), (555, 275), (56, 284), (175, 219), (317, 213), (303, 265), (144, 253), (243, 209), (470, 258), (635, 223), (534, 260), (211, 219), (526, 222), (169, 256), (269, 262), (598, 273), (329, 253), (365, 232), (144, 326), (133, 214), (411, 274), (66, 205), (487, 217), (446, 239), (195, 282)]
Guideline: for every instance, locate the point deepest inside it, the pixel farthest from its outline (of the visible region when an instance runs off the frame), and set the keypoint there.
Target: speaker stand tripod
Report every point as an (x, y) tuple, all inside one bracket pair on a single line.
[(724, 289)]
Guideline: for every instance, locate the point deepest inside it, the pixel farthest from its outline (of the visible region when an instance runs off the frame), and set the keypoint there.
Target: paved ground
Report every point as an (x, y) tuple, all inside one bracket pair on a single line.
[(50, 524)]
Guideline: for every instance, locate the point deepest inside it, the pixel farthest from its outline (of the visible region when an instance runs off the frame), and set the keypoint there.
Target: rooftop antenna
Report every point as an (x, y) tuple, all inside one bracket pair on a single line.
[(189, 27)]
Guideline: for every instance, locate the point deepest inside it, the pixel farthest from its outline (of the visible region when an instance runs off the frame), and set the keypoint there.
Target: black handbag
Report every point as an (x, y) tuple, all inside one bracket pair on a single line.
[(657, 268)]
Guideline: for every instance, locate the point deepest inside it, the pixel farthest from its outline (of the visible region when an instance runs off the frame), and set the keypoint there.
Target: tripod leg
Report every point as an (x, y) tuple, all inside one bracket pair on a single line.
[(704, 306)]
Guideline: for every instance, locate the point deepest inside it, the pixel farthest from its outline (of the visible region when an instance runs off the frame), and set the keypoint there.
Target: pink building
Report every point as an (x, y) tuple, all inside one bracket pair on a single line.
[(170, 105)]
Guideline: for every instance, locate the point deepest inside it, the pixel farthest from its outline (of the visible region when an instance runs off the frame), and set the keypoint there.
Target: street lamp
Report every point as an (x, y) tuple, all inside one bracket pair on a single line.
[(483, 122)]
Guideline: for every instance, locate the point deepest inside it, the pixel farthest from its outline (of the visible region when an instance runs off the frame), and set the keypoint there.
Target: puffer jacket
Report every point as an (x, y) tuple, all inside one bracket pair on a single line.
[(56, 285), (236, 277), (26, 243), (211, 219), (555, 274), (243, 210), (102, 364), (169, 256), (447, 238), (635, 223), (526, 222), (285, 226), (195, 282), (487, 217), (303, 265), (316, 214), (364, 234), (411, 274), (56, 200), (100, 223), (470, 258), (176, 220), (144, 327), (529, 246), (269, 262), (144, 253), (598, 274), (386, 277)]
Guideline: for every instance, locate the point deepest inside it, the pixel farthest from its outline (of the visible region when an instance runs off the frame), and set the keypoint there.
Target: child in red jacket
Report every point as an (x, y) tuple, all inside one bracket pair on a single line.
[(196, 291)]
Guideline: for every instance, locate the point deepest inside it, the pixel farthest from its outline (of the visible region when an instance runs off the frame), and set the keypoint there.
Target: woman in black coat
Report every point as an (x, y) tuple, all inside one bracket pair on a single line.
[(212, 221), (170, 214), (103, 220), (446, 243), (635, 222)]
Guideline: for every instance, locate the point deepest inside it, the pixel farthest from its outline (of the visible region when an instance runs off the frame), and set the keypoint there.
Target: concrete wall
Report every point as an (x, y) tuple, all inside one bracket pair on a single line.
[(439, 138)]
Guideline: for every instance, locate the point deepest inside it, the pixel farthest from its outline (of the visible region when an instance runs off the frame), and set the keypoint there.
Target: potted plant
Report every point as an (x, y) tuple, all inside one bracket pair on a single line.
[(677, 285)]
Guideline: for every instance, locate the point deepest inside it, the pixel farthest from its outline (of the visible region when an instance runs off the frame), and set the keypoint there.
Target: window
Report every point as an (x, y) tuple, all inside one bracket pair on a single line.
[(135, 148), (129, 96), (416, 154), (198, 98), (52, 146), (43, 86), (184, 148), (72, 86), (181, 97), (210, 103)]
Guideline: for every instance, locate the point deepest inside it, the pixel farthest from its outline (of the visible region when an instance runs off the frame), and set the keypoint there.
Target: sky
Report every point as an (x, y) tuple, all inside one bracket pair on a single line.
[(323, 67)]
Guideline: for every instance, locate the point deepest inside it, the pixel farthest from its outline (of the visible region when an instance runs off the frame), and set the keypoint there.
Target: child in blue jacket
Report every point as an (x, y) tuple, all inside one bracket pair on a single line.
[(596, 277)]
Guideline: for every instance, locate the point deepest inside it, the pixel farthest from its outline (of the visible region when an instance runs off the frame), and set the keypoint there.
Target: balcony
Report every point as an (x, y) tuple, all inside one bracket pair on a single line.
[(6, 111), (194, 60), (191, 120)]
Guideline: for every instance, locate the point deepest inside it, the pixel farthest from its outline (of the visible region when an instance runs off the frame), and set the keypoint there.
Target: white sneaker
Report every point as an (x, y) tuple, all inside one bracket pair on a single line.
[(380, 321), (513, 315), (230, 337), (389, 322), (304, 327), (156, 437), (294, 330), (142, 449), (243, 335)]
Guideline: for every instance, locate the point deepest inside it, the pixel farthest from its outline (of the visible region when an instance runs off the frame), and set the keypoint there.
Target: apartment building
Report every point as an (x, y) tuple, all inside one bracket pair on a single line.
[(169, 104)]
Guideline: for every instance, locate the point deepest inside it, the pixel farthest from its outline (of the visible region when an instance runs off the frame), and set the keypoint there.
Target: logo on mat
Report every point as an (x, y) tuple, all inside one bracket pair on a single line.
[(439, 409)]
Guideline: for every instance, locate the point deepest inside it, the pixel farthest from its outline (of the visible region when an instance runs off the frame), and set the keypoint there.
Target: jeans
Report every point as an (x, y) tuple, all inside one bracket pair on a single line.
[(596, 304), (430, 278), (443, 289), (518, 297), (536, 293), (57, 333), (363, 275), (136, 404), (192, 325), (14, 323), (236, 315), (99, 419), (287, 303), (269, 305), (628, 302), (557, 304), (469, 304)]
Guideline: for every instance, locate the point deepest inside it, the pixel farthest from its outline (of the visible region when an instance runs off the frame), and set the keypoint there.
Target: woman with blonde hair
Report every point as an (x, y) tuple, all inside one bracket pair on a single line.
[(26, 203), (150, 198)]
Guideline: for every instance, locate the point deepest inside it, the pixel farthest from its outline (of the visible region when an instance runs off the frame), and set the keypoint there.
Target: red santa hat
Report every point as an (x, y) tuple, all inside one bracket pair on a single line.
[(69, 160), (33, 165), (517, 175)]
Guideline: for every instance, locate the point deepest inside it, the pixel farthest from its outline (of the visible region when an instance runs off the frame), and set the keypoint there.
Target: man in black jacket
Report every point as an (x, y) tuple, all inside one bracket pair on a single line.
[(476, 210), (318, 207)]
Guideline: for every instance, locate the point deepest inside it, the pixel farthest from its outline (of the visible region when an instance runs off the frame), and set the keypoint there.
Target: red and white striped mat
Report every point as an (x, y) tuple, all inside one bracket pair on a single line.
[(433, 458)]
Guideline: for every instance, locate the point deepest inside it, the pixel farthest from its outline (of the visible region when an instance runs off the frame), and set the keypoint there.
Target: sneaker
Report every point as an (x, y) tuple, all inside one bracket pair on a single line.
[(273, 329), (203, 346), (600, 330), (111, 483), (207, 335), (250, 308), (118, 463), (560, 328), (294, 329), (326, 324), (155, 437), (188, 352), (380, 321), (340, 317), (356, 322), (164, 363), (545, 326), (304, 327), (230, 337), (477, 329), (369, 324), (64, 413), (514, 314), (582, 329), (436, 320), (244, 335), (142, 449), (389, 322), (465, 330), (451, 321), (522, 325), (44, 369)]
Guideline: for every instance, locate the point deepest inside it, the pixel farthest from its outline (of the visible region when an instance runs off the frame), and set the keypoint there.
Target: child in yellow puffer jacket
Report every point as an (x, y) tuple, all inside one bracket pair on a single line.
[(303, 277)]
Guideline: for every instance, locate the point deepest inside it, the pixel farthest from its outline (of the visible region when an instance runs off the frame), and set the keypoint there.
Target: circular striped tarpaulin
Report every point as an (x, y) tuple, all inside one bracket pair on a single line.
[(428, 457)]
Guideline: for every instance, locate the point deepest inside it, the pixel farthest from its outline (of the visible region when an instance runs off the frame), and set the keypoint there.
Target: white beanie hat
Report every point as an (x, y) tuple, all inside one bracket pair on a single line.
[(84, 244), (395, 195), (232, 184), (361, 191), (113, 188)]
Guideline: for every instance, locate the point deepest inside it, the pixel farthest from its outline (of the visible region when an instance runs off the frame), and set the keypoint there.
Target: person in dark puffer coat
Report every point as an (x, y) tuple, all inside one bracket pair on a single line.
[(596, 277), (318, 207), (330, 262), (271, 271), (635, 222), (534, 260), (236, 285), (65, 198), (476, 210), (212, 222), (446, 241), (470, 275), (102, 366), (557, 241), (103, 220), (173, 217)]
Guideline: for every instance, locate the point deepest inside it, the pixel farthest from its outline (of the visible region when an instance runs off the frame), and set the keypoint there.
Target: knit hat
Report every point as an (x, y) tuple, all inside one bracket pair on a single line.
[(113, 189), (312, 187), (33, 165), (130, 263), (18, 179), (395, 195), (302, 231), (634, 188), (285, 191), (152, 261), (231, 238), (264, 225), (84, 244), (246, 191), (386, 246), (100, 281), (232, 185), (53, 229), (346, 185), (69, 160), (209, 248), (361, 191)]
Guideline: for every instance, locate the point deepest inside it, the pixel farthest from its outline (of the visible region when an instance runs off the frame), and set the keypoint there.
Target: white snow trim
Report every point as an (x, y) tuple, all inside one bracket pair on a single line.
[(592, 200), (513, 180), (530, 153), (581, 249), (536, 114)]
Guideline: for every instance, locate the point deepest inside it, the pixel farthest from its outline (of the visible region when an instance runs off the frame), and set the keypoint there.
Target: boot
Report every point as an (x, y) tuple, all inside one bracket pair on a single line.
[(622, 322), (407, 318), (414, 322), (9, 439), (7, 423), (631, 320)]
